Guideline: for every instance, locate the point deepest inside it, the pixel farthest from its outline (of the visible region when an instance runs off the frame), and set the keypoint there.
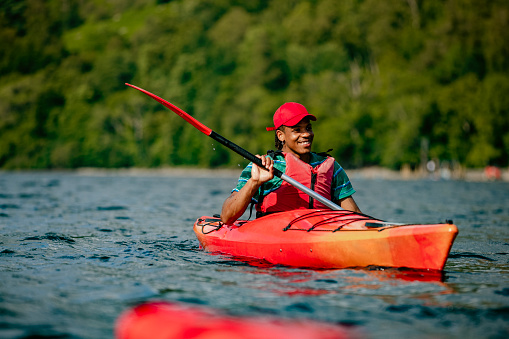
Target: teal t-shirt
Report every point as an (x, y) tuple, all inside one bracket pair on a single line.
[(341, 185)]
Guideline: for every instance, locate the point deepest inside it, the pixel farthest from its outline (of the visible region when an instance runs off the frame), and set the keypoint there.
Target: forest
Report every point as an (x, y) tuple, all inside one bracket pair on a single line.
[(393, 83)]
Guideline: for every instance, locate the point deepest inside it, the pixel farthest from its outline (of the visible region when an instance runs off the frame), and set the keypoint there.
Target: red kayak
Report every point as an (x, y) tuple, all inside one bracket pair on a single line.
[(329, 239), (163, 320)]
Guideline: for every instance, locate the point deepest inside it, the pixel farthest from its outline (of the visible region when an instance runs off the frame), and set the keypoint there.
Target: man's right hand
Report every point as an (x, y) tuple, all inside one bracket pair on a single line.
[(260, 175)]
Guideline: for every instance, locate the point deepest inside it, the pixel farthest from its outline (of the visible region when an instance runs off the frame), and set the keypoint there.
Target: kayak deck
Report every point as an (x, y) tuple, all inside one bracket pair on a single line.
[(329, 239)]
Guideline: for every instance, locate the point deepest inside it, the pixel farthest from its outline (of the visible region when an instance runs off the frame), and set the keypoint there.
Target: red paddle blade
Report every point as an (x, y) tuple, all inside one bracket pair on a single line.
[(198, 125)]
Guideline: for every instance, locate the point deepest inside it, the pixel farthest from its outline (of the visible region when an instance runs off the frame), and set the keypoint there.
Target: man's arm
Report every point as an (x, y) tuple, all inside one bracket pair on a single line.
[(349, 204)]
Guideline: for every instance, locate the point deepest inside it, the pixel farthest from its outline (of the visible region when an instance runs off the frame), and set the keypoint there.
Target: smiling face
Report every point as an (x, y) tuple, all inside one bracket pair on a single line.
[(297, 139)]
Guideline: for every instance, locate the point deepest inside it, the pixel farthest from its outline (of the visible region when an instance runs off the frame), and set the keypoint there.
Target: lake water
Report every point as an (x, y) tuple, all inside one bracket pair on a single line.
[(77, 250)]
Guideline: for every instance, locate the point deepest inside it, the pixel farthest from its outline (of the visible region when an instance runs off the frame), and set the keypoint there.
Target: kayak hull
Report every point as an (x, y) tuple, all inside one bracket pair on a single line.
[(329, 239)]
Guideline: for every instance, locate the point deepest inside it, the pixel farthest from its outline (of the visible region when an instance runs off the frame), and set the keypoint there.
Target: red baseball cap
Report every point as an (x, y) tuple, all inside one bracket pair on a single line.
[(289, 114)]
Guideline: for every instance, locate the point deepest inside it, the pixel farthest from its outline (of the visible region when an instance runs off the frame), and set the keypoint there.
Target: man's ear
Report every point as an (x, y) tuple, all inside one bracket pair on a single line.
[(280, 135)]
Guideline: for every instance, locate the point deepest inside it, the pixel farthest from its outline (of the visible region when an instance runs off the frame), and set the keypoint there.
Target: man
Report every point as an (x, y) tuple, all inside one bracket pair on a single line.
[(293, 139)]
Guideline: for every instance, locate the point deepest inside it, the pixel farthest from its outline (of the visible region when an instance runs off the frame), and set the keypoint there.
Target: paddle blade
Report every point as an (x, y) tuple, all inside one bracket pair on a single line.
[(198, 125)]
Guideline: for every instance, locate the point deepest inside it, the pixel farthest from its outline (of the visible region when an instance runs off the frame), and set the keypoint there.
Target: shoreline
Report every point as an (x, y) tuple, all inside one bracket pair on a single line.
[(370, 173)]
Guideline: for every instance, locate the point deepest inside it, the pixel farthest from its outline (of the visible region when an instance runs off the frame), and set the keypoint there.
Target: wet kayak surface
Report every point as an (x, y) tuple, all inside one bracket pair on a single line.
[(78, 250)]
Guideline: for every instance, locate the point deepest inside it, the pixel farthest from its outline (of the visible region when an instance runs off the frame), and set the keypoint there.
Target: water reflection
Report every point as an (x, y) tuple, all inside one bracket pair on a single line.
[(378, 282)]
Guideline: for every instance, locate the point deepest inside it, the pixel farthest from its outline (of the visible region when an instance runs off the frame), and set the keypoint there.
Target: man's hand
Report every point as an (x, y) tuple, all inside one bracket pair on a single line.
[(259, 175)]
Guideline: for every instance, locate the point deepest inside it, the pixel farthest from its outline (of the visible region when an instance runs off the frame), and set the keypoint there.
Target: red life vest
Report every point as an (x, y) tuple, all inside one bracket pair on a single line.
[(287, 197)]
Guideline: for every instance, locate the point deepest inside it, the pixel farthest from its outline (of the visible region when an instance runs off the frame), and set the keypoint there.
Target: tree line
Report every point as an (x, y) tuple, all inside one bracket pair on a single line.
[(393, 83)]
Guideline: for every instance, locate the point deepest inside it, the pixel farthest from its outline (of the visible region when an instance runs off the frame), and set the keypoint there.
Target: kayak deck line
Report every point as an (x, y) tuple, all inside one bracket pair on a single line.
[(210, 222), (329, 239), (332, 217)]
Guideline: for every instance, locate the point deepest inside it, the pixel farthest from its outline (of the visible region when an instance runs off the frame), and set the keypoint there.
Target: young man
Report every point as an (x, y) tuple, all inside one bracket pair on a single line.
[(293, 139)]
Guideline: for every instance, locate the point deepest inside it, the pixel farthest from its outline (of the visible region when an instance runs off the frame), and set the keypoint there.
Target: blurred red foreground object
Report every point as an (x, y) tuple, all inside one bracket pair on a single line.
[(163, 320)]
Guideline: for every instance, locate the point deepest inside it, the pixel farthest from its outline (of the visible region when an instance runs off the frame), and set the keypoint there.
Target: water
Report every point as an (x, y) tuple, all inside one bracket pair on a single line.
[(77, 250)]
